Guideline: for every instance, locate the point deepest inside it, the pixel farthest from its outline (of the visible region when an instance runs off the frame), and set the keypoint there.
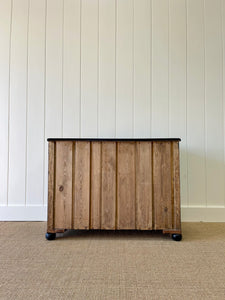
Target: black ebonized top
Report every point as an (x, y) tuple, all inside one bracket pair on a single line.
[(114, 139)]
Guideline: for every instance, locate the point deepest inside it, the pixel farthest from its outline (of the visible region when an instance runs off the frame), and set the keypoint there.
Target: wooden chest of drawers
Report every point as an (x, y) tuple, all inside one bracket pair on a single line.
[(114, 184)]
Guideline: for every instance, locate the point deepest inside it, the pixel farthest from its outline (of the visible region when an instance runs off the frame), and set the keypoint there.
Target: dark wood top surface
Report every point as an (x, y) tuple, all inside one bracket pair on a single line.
[(115, 139)]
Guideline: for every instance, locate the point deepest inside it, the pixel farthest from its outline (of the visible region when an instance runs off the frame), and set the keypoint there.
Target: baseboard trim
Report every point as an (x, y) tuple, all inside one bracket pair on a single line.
[(23, 213), (203, 214), (39, 213)]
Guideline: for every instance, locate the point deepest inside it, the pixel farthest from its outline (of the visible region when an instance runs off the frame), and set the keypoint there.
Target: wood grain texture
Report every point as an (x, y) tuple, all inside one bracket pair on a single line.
[(143, 185), (108, 196), (82, 185), (51, 186), (176, 187), (114, 185), (96, 177), (63, 185), (162, 188), (126, 185)]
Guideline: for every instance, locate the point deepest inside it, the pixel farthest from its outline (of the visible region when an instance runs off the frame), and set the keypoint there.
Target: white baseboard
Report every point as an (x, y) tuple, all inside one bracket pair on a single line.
[(204, 214), (39, 213), (23, 213)]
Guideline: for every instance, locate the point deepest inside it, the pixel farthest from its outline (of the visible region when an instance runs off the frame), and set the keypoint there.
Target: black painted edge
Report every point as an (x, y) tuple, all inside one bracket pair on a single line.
[(114, 139)]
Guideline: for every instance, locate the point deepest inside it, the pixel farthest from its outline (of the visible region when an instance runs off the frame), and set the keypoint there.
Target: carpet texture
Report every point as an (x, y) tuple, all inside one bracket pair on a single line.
[(111, 265)]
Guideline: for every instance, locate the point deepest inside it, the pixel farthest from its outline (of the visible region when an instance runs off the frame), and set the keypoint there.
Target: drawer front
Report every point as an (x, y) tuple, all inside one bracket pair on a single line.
[(114, 185)]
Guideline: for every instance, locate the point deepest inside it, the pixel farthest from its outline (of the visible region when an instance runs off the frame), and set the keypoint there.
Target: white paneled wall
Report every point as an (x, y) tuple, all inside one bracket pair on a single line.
[(112, 68)]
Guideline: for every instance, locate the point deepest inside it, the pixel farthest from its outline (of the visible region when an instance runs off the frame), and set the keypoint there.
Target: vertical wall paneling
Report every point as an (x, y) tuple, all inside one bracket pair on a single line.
[(71, 69), (54, 80), (18, 100), (195, 103), (5, 42), (35, 102), (106, 80), (142, 67), (214, 103), (110, 68), (54, 74), (223, 75), (124, 69), (89, 68), (177, 83), (160, 64)]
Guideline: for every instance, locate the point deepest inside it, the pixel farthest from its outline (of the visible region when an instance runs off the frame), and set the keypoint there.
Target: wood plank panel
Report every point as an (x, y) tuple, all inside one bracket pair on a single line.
[(160, 68), (126, 185), (214, 118), (195, 104), (142, 67), (36, 103), (63, 185), (71, 68), (124, 69), (108, 196), (176, 186), (5, 42), (107, 49), (89, 68), (162, 188), (81, 201), (177, 82), (143, 185), (96, 177), (51, 186), (18, 104)]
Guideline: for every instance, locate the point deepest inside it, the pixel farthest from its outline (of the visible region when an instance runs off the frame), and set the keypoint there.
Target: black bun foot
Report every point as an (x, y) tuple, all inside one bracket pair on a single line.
[(50, 236), (177, 237)]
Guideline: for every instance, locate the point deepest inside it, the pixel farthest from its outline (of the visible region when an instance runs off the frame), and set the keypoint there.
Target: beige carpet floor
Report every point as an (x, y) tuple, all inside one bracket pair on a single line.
[(111, 265)]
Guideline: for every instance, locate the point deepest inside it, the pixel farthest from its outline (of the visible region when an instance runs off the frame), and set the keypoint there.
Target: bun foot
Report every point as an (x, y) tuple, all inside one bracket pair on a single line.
[(177, 237), (50, 236)]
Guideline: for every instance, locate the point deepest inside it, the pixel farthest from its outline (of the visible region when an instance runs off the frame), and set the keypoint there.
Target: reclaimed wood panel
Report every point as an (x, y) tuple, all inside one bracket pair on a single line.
[(82, 185), (63, 185), (108, 191), (126, 185), (162, 188), (51, 186), (176, 186), (143, 185), (96, 177)]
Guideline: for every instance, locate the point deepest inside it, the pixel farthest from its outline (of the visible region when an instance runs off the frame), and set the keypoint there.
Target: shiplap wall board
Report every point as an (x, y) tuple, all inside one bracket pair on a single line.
[(112, 68)]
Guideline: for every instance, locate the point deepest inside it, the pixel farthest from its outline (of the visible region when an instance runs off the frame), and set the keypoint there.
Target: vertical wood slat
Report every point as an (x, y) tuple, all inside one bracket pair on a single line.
[(63, 185), (108, 190), (162, 189), (126, 185), (143, 185), (51, 186), (81, 199), (176, 186), (96, 177)]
